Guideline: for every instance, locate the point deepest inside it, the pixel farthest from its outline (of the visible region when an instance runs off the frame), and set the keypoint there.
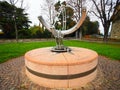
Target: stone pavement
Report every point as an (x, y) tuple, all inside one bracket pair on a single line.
[(12, 76)]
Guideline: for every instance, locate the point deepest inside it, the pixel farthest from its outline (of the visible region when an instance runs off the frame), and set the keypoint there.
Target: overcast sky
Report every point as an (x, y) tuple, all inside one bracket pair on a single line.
[(33, 9)]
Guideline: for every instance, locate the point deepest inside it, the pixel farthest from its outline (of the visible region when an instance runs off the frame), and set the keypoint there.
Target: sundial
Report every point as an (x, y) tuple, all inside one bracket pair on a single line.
[(61, 67), (59, 34)]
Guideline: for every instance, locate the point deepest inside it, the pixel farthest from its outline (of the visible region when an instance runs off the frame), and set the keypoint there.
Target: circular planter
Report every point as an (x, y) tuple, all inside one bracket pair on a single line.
[(61, 70)]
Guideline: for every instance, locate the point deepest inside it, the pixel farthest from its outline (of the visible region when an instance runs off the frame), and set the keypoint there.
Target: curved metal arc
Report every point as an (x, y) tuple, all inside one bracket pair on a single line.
[(64, 32), (80, 22), (47, 26)]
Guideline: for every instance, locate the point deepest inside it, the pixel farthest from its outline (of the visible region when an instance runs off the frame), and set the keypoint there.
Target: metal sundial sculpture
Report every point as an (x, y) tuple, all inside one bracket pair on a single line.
[(59, 34)]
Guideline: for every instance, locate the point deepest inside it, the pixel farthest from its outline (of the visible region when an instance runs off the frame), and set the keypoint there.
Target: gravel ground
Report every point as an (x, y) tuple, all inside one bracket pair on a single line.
[(12, 76)]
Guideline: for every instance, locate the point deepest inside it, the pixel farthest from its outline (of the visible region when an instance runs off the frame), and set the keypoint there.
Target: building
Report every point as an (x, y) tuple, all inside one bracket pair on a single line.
[(115, 32)]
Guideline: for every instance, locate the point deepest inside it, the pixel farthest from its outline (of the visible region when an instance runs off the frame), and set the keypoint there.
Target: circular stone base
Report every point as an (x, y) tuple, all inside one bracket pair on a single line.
[(61, 70)]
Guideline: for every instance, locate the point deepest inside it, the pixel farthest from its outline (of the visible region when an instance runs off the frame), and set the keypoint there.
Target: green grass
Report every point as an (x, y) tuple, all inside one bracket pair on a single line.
[(11, 50)]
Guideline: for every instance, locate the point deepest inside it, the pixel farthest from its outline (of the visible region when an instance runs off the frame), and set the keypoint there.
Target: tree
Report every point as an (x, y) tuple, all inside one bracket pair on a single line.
[(13, 3), (34, 30), (12, 19), (89, 27), (39, 32), (106, 10)]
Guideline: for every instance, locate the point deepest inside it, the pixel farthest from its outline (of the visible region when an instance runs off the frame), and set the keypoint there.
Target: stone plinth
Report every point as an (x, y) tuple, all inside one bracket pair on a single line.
[(61, 70)]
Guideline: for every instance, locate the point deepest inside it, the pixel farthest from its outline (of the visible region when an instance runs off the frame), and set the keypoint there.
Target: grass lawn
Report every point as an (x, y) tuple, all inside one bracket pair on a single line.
[(11, 50)]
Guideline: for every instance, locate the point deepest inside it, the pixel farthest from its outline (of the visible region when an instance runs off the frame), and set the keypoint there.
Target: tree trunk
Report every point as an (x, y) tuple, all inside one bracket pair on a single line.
[(16, 32), (106, 30), (105, 38)]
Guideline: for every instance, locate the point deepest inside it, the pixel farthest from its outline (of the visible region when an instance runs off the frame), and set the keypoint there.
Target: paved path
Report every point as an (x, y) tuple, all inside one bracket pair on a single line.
[(12, 76)]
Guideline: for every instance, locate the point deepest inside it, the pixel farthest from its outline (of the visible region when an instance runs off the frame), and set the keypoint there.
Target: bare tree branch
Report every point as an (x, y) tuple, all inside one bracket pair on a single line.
[(22, 1), (13, 2), (110, 9), (94, 13), (98, 10), (106, 1)]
